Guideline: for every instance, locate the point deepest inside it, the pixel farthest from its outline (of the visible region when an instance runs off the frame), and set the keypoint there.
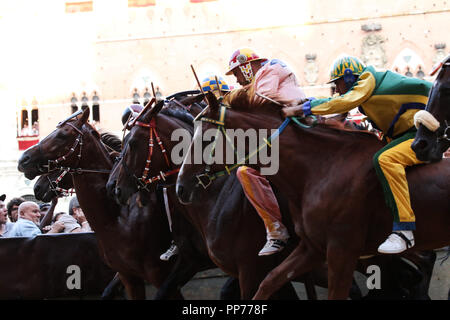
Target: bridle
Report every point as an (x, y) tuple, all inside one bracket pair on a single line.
[(56, 189), (206, 178), (56, 164), (146, 180)]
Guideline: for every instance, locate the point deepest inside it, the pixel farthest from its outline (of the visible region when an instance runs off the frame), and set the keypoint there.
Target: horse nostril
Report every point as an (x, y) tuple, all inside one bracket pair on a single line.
[(24, 160), (421, 144), (118, 192)]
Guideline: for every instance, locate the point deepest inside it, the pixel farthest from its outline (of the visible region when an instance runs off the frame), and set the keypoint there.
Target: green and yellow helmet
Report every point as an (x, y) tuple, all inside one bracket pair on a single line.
[(344, 63)]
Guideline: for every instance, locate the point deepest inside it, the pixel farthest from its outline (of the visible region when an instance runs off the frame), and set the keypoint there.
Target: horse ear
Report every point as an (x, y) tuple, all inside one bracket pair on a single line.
[(157, 108), (212, 100), (84, 116)]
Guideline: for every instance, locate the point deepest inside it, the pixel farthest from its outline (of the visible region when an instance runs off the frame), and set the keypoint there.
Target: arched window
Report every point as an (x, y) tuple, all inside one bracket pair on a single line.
[(136, 97), (95, 107), (24, 123), (74, 103), (84, 101), (420, 74), (147, 96), (35, 122), (408, 72)]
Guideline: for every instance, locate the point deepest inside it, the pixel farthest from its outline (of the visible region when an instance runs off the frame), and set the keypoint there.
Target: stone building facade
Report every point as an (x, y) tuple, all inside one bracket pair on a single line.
[(105, 53)]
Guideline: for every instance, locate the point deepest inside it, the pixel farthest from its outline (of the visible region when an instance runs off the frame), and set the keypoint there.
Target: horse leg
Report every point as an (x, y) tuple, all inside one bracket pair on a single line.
[(300, 261), (134, 286), (230, 290), (114, 288), (310, 286), (341, 265), (287, 292), (183, 271)]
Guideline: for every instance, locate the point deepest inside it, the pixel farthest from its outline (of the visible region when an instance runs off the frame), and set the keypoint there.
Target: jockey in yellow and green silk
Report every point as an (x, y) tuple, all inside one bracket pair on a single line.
[(389, 100), (275, 80)]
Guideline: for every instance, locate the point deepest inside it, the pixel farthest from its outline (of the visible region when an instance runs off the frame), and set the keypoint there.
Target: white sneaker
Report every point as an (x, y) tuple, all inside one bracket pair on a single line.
[(173, 250), (397, 242), (272, 246)]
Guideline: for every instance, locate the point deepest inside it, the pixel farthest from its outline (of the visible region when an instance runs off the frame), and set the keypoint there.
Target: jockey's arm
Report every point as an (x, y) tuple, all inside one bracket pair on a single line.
[(360, 92)]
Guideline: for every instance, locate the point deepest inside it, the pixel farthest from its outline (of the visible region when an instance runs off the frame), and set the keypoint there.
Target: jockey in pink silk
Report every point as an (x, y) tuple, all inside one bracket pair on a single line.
[(273, 79)]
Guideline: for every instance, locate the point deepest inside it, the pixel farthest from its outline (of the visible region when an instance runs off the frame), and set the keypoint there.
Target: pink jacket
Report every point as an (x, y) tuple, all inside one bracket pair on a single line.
[(276, 81)]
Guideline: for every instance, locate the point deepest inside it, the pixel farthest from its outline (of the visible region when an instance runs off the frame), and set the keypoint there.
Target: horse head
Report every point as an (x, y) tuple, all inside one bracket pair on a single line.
[(61, 147), (433, 134), (145, 158), (59, 183), (53, 184)]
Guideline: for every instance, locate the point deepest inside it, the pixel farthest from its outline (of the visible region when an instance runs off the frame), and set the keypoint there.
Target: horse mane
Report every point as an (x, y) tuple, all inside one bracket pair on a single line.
[(179, 114), (245, 99), (111, 141)]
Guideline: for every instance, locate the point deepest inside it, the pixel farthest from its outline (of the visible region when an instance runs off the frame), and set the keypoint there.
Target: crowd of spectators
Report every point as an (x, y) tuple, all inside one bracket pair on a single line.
[(22, 218)]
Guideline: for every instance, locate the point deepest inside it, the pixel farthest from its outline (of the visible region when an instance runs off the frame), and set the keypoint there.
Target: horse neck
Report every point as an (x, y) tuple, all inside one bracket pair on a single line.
[(91, 187)]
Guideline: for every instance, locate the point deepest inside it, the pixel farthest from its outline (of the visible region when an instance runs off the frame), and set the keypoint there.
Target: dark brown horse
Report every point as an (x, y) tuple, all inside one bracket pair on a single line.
[(230, 227), (430, 145), (337, 205), (122, 232)]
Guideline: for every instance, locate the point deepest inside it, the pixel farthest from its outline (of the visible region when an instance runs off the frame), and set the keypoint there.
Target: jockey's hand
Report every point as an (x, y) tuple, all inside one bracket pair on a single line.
[(296, 111)]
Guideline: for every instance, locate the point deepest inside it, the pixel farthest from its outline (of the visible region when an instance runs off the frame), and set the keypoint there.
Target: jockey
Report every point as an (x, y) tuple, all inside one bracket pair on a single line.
[(390, 101), (276, 81)]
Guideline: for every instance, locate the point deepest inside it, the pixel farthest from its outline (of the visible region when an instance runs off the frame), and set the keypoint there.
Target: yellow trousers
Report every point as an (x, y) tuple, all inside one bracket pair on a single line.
[(390, 163)]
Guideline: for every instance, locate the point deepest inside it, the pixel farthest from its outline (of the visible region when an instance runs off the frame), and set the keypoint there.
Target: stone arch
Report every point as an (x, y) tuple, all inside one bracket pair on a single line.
[(407, 61)]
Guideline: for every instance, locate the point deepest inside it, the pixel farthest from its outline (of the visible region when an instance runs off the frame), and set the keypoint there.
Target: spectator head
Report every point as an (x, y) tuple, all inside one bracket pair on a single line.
[(73, 204), (3, 210), (56, 216), (29, 210), (13, 208), (44, 207)]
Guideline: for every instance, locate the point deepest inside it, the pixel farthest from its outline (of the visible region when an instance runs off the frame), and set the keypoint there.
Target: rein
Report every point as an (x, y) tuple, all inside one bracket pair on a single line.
[(145, 180), (205, 179)]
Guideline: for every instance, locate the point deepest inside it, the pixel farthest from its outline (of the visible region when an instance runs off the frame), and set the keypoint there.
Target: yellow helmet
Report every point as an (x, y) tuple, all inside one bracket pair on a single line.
[(347, 65), (210, 84)]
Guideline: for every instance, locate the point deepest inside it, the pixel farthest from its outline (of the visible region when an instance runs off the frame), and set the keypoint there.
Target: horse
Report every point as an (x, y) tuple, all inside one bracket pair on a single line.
[(338, 215), (125, 242), (433, 140), (228, 224)]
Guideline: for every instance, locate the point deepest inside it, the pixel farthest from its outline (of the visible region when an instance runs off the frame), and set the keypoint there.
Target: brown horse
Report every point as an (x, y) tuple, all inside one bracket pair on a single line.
[(430, 145), (337, 205), (230, 227), (123, 234)]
